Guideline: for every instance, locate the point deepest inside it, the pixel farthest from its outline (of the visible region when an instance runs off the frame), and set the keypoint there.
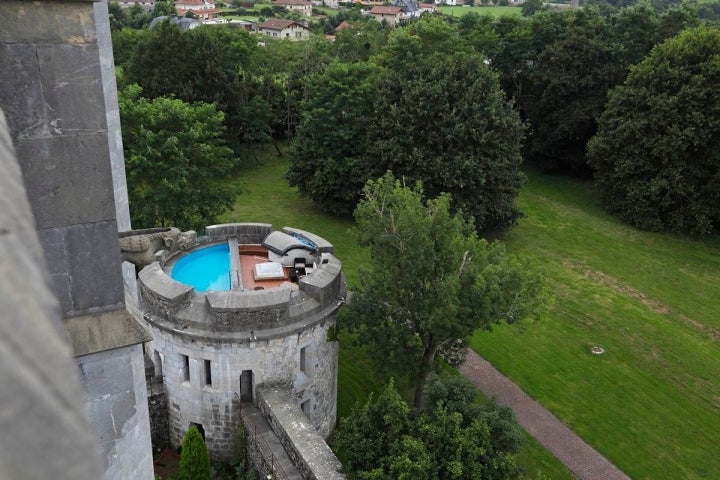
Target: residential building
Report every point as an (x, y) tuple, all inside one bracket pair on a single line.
[(282, 28), (202, 9), (146, 5), (392, 15), (303, 7)]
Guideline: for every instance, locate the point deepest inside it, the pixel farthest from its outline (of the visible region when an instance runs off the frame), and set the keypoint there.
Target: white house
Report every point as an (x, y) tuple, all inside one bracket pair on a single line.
[(282, 28)]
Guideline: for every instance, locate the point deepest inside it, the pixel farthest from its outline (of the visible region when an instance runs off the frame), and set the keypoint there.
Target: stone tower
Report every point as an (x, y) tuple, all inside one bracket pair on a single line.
[(57, 89), (220, 348)]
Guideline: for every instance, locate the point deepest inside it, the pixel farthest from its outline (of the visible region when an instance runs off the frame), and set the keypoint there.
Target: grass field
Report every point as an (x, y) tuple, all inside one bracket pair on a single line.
[(651, 403), (268, 199), (489, 10)]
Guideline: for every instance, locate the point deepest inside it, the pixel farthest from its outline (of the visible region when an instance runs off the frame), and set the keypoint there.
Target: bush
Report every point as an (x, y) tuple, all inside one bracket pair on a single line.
[(194, 460)]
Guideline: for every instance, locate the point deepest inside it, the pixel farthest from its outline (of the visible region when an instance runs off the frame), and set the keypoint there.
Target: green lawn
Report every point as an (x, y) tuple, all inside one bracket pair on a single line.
[(651, 403), (490, 10), (268, 199)]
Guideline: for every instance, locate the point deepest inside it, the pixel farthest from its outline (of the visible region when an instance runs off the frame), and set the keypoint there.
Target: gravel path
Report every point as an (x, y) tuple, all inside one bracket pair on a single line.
[(578, 456)]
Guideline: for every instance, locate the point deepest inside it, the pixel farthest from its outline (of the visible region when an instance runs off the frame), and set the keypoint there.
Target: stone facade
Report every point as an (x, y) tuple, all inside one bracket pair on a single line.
[(57, 88), (219, 347)]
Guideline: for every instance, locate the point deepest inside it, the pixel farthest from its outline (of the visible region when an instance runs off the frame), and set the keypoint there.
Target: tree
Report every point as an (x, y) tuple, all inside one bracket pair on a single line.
[(328, 150), (656, 156), (194, 459), (382, 440), (163, 7), (567, 92), (175, 160), (530, 7), (432, 280), (442, 119)]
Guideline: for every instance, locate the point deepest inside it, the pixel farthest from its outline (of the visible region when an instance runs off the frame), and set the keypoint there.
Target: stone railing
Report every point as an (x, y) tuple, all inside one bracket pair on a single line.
[(306, 448)]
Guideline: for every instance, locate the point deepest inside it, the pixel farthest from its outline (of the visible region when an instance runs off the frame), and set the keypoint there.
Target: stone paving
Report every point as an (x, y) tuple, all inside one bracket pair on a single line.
[(585, 462), (262, 430)]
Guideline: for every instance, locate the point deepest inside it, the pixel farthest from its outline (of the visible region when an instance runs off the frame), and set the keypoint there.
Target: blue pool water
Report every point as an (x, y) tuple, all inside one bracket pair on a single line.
[(205, 269)]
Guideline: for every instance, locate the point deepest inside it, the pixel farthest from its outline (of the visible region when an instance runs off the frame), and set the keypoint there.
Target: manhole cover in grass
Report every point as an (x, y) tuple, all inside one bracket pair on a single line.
[(597, 350)]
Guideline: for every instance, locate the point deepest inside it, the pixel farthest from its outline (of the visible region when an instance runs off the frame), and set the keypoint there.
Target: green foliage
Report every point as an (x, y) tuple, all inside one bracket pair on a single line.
[(328, 151), (566, 93), (216, 66), (433, 280), (530, 7), (444, 121), (384, 441), (194, 459), (175, 160), (439, 117), (655, 156)]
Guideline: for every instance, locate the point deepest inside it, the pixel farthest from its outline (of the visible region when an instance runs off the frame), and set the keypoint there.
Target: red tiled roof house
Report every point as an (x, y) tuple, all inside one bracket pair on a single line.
[(201, 8), (281, 28), (391, 15)]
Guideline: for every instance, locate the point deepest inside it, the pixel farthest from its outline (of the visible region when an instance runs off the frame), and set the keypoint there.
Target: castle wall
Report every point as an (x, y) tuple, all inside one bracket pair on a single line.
[(57, 88), (274, 361), (114, 386), (217, 348)]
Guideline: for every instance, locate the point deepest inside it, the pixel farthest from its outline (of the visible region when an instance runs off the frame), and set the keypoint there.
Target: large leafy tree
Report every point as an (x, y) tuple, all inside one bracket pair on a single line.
[(328, 150), (176, 161), (656, 156), (194, 460), (569, 85), (442, 119), (431, 280), (383, 440)]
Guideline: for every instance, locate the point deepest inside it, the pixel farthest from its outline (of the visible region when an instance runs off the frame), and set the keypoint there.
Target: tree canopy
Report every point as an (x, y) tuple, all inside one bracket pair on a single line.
[(328, 151), (383, 440), (656, 157), (432, 279), (427, 108), (175, 161)]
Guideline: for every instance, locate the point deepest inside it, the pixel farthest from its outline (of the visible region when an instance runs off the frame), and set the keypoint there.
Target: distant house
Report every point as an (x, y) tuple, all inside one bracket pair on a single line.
[(342, 26), (392, 15), (428, 8), (146, 5), (281, 28), (203, 9), (303, 7)]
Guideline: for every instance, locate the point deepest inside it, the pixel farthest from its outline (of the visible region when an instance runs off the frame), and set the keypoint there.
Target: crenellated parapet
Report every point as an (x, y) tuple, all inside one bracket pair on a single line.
[(218, 345)]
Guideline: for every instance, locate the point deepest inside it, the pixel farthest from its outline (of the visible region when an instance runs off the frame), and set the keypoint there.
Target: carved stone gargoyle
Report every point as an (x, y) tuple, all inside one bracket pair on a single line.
[(140, 246)]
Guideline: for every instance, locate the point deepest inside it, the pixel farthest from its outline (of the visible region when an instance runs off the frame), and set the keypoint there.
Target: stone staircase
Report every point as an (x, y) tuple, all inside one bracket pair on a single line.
[(267, 445)]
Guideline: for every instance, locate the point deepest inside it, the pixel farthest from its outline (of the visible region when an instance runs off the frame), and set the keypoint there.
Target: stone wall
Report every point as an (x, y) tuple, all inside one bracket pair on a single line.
[(57, 88), (307, 449), (158, 408), (275, 362), (41, 402)]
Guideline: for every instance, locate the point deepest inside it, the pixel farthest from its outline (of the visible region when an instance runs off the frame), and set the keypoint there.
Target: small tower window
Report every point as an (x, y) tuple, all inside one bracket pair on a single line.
[(208, 372), (185, 367), (302, 359)]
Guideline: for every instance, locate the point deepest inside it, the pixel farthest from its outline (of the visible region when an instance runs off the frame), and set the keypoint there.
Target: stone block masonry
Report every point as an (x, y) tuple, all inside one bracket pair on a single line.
[(216, 347), (57, 87), (307, 450)]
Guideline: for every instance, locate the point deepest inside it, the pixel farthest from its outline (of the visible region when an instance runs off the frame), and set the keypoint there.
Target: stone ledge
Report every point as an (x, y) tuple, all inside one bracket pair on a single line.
[(304, 445), (104, 331)]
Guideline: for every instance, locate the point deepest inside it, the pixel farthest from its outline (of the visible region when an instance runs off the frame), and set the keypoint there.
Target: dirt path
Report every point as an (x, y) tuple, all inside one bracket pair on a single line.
[(578, 456)]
